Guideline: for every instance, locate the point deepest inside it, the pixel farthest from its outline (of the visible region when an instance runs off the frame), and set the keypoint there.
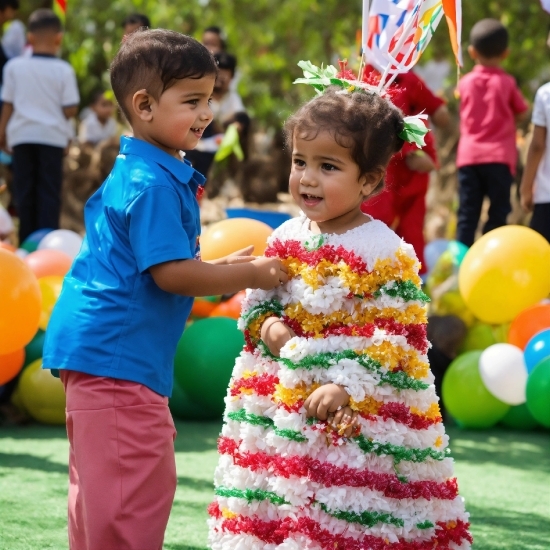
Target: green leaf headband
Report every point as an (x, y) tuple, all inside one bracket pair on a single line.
[(321, 78)]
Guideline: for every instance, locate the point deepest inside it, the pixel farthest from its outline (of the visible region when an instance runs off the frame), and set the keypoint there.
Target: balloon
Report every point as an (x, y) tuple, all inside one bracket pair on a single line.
[(481, 335), (182, 407), (33, 350), (50, 288), (504, 272), (528, 323), (21, 253), (19, 303), (6, 223), (537, 349), (230, 308), (44, 263), (503, 371), (451, 303), (538, 393), (204, 360), (433, 250), (7, 246), (519, 418), (203, 306), (62, 240), (30, 244), (465, 396), (10, 365), (228, 236), (42, 394)]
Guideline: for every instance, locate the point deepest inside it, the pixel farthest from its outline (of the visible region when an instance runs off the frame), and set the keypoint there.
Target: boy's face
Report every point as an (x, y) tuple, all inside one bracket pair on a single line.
[(103, 108), (212, 42), (178, 118), (223, 80)]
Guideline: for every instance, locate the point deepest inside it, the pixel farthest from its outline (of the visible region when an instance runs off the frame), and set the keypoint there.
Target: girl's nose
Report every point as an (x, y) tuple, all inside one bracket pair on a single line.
[(307, 178)]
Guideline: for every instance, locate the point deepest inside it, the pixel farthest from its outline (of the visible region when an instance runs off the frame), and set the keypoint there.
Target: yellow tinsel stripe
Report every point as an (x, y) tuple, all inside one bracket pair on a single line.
[(228, 514), (290, 396), (432, 413), (392, 357)]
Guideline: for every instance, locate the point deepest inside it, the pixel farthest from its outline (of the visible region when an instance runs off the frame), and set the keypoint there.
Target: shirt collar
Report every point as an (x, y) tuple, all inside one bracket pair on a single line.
[(180, 169), (483, 69)]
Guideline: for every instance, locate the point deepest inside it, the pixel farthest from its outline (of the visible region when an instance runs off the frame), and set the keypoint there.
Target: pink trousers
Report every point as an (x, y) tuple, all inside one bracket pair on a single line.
[(122, 472)]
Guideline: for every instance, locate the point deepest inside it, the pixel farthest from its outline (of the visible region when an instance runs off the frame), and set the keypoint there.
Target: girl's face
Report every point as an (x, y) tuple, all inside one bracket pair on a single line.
[(326, 185)]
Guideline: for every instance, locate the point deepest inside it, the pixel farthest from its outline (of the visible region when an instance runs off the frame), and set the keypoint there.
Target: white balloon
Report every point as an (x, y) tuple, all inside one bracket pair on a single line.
[(62, 239), (503, 371), (21, 252)]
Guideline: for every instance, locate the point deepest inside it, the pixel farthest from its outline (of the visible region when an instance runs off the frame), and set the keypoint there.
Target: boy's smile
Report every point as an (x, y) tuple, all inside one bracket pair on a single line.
[(177, 119)]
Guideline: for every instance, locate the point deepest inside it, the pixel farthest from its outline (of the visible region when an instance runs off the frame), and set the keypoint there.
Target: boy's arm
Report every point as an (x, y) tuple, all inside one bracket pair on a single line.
[(535, 152), (196, 278), (71, 111), (7, 111)]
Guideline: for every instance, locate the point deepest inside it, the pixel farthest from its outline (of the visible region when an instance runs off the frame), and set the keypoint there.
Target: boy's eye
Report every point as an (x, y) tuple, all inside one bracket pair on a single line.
[(328, 167)]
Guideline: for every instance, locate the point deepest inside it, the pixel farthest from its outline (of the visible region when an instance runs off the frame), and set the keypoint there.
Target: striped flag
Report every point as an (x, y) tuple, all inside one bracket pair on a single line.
[(60, 9)]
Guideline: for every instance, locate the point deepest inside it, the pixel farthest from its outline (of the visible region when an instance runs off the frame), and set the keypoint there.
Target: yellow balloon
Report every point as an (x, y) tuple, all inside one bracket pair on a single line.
[(19, 303), (50, 288), (505, 272), (228, 236), (41, 394)]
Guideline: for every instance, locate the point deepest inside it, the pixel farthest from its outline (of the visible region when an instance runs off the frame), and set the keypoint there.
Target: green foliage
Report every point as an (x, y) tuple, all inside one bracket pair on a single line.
[(269, 38)]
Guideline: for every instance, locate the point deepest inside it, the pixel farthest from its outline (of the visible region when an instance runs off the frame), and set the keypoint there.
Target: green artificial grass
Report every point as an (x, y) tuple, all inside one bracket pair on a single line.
[(503, 475)]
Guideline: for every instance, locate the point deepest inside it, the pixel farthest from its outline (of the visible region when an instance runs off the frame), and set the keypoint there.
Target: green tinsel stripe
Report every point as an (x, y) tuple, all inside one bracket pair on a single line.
[(368, 519), (425, 525), (403, 289), (265, 422), (249, 495), (400, 379), (272, 306), (398, 452)]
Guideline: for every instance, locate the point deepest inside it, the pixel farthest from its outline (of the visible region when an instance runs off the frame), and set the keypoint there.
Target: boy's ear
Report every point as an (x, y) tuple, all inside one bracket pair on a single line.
[(472, 52), (370, 180), (58, 39), (504, 54), (141, 105)]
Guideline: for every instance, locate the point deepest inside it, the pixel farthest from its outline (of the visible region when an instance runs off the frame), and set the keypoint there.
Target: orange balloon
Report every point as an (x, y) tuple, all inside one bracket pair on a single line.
[(203, 307), (230, 308), (44, 263), (528, 323), (223, 238), (19, 303), (7, 246), (10, 365)]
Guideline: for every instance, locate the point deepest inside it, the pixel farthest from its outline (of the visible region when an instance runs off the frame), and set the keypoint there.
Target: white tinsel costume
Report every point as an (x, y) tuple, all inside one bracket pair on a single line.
[(286, 482)]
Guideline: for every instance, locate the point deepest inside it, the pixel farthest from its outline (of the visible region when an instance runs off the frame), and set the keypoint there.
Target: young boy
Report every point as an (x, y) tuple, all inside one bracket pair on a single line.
[(40, 94), (535, 184), (125, 302), (490, 106), (99, 124)]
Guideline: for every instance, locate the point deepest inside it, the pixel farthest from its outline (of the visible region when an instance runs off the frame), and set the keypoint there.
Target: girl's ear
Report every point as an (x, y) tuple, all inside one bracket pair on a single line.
[(141, 105), (370, 181)]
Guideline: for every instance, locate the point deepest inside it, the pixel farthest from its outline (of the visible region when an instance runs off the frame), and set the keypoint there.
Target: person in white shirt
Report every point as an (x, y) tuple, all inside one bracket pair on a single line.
[(225, 102), (40, 95), (99, 123), (535, 184)]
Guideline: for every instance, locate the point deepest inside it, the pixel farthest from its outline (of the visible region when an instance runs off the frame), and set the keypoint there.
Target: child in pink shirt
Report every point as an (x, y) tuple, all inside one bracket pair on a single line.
[(490, 106)]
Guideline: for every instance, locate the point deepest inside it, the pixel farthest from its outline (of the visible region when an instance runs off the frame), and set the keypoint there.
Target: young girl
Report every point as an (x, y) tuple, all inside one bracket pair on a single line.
[(333, 437)]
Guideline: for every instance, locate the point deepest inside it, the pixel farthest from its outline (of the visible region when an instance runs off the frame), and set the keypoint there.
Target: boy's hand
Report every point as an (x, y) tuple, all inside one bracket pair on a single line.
[(326, 399), (239, 257), (526, 198), (269, 273), (418, 161), (344, 421), (276, 334)]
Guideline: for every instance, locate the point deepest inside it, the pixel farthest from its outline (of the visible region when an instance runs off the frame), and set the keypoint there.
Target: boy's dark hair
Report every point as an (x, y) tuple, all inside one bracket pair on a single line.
[(96, 96), (44, 20), (14, 4), (489, 37), (226, 61), (154, 60), (361, 121), (136, 19)]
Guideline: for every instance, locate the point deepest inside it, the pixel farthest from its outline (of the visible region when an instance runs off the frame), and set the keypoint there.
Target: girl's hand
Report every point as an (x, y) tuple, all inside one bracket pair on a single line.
[(275, 335), (344, 421), (326, 399)]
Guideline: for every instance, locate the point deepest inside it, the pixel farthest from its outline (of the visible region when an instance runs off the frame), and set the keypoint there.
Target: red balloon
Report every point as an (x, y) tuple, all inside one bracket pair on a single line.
[(44, 263), (10, 365), (528, 323)]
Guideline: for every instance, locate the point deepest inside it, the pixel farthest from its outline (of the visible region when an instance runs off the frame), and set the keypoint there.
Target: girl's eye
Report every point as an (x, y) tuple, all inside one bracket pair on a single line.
[(299, 162), (193, 101), (328, 167)]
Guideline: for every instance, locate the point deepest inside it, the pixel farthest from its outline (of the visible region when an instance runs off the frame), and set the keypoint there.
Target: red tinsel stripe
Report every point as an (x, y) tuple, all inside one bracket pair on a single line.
[(399, 412), (277, 531), (263, 384), (330, 475), (295, 249)]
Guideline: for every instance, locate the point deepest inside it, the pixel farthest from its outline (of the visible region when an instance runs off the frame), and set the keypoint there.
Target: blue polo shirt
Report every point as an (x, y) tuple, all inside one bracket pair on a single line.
[(111, 318)]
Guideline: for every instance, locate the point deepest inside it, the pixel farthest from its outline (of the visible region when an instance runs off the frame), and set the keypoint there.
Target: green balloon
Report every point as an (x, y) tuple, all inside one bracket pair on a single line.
[(184, 408), (29, 246), (33, 349), (204, 360), (538, 392), (519, 418), (479, 337), (466, 397)]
